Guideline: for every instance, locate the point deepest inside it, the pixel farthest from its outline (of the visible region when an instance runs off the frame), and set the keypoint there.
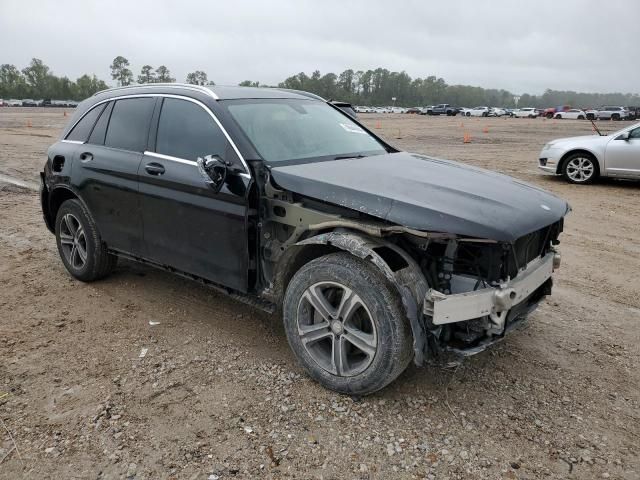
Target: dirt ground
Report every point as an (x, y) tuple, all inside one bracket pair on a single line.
[(219, 395)]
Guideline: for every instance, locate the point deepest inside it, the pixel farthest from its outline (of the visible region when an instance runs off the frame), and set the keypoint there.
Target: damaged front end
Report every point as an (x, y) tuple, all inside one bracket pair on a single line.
[(481, 290)]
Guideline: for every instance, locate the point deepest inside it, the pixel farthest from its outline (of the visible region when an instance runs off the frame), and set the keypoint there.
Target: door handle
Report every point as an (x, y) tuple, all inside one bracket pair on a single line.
[(86, 156), (154, 168)]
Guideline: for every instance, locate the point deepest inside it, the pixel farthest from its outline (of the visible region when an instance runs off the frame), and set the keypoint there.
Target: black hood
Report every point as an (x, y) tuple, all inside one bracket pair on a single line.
[(427, 194)]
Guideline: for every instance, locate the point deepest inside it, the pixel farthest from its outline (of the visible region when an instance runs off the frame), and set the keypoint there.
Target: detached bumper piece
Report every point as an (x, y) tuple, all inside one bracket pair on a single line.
[(466, 323)]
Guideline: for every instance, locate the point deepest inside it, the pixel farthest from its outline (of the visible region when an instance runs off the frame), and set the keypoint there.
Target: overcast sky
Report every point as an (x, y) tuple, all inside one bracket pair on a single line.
[(522, 46)]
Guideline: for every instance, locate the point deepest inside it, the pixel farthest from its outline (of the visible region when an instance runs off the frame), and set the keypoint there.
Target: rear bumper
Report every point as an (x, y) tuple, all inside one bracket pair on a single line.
[(494, 302)]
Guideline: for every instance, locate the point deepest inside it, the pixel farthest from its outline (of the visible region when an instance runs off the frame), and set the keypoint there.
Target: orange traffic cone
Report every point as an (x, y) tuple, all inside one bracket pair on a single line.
[(485, 130), (466, 138), (378, 125)]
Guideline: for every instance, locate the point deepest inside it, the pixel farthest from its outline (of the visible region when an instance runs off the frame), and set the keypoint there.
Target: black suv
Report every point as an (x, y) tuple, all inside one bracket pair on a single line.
[(372, 256)]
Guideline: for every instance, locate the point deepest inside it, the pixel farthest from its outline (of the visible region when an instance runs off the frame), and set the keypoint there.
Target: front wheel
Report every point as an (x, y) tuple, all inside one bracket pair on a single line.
[(346, 325), (580, 168), (79, 244)]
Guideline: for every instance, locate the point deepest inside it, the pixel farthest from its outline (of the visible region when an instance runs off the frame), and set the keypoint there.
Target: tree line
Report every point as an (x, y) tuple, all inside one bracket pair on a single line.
[(359, 87)]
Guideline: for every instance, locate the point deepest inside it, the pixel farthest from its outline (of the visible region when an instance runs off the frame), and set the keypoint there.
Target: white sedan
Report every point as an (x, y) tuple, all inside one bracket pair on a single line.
[(528, 112), (573, 114), (478, 112), (584, 159)]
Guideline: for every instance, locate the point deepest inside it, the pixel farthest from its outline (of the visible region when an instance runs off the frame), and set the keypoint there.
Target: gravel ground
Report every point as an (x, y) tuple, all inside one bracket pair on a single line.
[(145, 376)]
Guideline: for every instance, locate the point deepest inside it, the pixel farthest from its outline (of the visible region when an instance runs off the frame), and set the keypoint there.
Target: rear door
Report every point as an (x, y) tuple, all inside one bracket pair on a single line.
[(622, 157), (106, 171), (187, 225)]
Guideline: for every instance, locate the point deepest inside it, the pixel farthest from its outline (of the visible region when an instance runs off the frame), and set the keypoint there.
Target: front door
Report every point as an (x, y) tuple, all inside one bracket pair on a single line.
[(187, 225), (622, 157)]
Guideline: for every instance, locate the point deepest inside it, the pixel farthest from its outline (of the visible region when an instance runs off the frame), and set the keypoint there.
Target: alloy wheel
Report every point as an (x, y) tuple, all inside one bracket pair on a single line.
[(336, 329), (580, 169), (73, 241)]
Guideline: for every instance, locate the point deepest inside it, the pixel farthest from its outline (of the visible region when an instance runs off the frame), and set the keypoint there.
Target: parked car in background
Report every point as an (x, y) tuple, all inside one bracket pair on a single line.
[(612, 113), (584, 159), (442, 109), (463, 111), (497, 112), (634, 113), (413, 110), (527, 112), (14, 103), (478, 112), (374, 256), (591, 113), (27, 102), (2, 103), (572, 114)]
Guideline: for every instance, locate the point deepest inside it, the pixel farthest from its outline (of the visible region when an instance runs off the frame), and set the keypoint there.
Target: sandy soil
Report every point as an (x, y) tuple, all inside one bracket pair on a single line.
[(219, 395)]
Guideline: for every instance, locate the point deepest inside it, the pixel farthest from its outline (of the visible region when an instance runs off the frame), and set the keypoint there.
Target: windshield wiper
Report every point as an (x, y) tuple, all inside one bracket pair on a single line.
[(347, 157)]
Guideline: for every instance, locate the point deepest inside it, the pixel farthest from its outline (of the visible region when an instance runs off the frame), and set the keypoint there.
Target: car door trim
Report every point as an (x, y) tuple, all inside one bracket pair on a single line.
[(186, 161), (179, 97)]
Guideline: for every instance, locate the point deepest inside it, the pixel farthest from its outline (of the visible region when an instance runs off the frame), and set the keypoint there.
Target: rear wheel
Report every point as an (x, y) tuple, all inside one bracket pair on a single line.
[(615, 117), (346, 325), (580, 117), (580, 168), (79, 244), (558, 117)]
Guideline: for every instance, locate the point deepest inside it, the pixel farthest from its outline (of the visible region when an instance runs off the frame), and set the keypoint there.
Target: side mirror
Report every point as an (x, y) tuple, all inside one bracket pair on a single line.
[(214, 171), (623, 136)]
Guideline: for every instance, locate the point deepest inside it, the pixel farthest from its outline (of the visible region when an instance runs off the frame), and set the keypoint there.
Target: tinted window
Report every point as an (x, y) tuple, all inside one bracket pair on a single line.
[(635, 133), (186, 130), (129, 124), (99, 131), (83, 128)]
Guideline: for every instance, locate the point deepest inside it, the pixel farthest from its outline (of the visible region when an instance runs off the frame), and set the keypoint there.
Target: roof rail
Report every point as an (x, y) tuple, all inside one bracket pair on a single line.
[(187, 86), (303, 93)]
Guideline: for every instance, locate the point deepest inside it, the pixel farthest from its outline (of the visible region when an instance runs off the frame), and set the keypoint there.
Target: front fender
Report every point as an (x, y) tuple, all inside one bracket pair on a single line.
[(405, 276)]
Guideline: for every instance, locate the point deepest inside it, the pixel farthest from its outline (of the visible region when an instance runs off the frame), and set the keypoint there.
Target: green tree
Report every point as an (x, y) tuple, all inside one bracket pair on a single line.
[(12, 82), (146, 75), (38, 78), (197, 78), (120, 71), (248, 83), (163, 75), (86, 86)]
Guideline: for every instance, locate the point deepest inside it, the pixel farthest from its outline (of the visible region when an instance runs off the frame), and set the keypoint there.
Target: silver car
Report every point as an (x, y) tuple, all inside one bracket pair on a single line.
[(584, 159)]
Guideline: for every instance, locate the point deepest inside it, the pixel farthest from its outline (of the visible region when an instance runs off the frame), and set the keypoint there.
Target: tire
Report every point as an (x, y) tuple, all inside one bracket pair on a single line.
[(468, 114), (378, 318), (549, 116), (615, 117), (485, 114), (76, 232), (558, 117), (580, 168), (580, 117)]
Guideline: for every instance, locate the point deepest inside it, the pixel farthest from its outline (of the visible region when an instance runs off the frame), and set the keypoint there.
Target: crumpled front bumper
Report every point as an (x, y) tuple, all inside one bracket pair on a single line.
[(494, 302)]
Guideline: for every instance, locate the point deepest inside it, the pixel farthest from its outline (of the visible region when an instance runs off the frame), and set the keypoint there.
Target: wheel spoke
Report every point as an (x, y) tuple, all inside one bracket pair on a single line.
[(317, 300), (82, 252), (365, 342), (313, 333), (66, 239), (73, 255), (338, 356), (71, 224), (349, 303)]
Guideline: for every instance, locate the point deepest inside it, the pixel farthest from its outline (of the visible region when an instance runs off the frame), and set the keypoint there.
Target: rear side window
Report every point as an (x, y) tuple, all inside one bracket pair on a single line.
[(99, 131), (81, 131), (129, 124), (186, 130)]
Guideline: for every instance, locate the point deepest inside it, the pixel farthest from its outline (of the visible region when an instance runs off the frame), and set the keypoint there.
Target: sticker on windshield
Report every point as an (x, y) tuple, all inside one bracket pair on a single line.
[(352, 128)]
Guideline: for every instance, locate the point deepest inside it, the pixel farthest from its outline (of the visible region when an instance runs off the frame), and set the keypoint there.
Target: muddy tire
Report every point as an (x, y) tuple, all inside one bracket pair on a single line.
[(346, 325), (81, 249)]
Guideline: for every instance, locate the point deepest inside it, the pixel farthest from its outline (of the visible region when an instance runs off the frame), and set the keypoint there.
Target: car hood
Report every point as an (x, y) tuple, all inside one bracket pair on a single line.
[(427, 194), (580, 140)]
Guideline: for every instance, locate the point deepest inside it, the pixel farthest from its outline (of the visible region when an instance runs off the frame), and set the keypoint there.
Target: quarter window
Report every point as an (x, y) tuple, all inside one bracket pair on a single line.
[(99, 131), (129, 124), (186, 130), (635, 133), (81, 131)]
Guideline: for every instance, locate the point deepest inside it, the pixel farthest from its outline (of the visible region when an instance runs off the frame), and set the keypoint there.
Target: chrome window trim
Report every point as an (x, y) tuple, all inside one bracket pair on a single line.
[(186, 86), (179, 97), (76, 142)]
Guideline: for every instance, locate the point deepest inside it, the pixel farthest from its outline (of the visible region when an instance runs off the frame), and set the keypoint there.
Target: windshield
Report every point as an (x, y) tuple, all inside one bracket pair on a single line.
[(288, 129)]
